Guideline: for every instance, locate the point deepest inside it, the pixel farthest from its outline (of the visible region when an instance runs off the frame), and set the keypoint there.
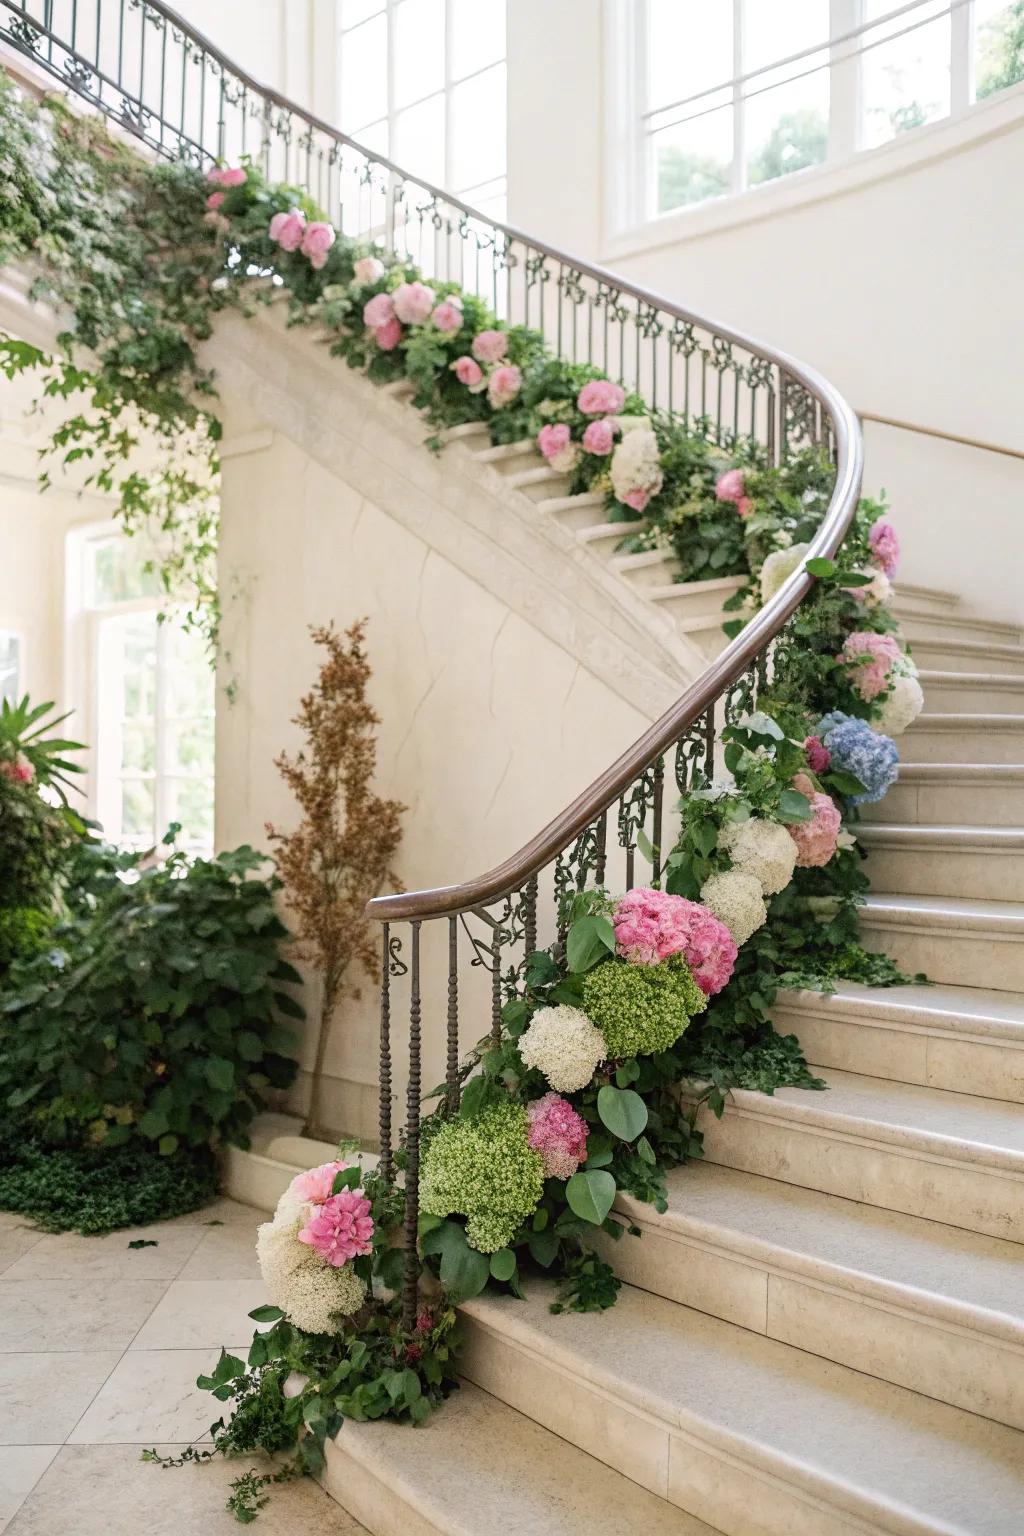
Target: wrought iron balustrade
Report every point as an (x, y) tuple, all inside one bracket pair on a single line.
[(158, 78)]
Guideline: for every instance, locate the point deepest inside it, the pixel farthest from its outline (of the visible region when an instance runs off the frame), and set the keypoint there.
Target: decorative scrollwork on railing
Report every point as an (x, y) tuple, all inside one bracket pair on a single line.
[(741, 696), (396, 965), (537, 269), (22, 34), (574, 864), (799, 414), (647, 320), (690, 758), (570, 283)]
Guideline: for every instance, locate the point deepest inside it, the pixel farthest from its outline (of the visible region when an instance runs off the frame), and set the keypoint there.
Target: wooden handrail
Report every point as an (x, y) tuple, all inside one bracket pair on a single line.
[(949, 437)]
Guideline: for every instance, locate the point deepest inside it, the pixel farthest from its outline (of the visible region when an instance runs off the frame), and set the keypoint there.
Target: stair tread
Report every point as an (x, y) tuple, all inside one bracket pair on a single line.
[(608, 530), (869, 1447), (818, 1235), (478, 1465), (989, 1132), (939, 911), (970, 679), (971, 1010)]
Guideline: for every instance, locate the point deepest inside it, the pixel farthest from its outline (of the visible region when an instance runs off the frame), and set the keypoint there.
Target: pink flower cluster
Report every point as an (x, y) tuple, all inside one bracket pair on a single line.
[(504, 385), (379, 316), (652, 925), (731, 486), (870, 677), (553, 440), (885, 546), (490, 346), (340, 1228), (818, 755), (504, 381), (317, 1185), (468, 371), (227, 176), (369, 269), (815, 839), (291, 232), (600, 397), (19, 770), (558, 1133), (599, 436)]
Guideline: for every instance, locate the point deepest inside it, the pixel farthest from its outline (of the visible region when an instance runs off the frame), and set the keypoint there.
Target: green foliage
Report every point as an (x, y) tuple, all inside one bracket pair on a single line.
[(797, 140), (1001, 51), (641, 1009), (155, 1013), (25, 733), (482, 1168)]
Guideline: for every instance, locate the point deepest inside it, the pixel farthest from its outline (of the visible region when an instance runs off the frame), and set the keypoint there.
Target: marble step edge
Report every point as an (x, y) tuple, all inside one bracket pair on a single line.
[(556, 504), (975, 648), (959, 916), (713, 586), (939, 677), (979, 1016), (460, 1472), (957, 773), (601, 531), (938, 837), (936, 596), (957, 626), (966, 721)]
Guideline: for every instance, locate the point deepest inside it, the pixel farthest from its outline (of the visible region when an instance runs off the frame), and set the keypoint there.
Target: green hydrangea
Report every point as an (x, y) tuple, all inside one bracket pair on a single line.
[(485, 1170), (641, 1009)]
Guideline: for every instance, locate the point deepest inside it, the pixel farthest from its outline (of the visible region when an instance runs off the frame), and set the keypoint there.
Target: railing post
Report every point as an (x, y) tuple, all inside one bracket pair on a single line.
[(411, 1284)]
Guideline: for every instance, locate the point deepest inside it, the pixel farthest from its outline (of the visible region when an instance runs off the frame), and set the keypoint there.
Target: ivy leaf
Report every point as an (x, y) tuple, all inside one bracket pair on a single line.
[(623, 1112), (591, 1195), (705, 837)]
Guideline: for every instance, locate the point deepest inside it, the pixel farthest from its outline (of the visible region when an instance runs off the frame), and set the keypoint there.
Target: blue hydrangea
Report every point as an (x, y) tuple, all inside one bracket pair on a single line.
[(859, 750)]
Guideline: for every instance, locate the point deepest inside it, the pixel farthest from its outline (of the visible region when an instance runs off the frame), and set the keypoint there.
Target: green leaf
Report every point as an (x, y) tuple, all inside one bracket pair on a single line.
[(266, 1314), (166, 1145), (760, 724), (820, 567), (794, 807), (503, 1264), (220, 1073), (645, 1151), (346, 1178), (622, 1111), (591, 1195), (464, 1271), (544, 1247), (705, 837), (589, 940), (843, 783)]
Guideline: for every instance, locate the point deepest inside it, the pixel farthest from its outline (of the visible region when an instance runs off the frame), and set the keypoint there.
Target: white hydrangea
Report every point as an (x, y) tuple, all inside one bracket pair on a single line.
[(564, 1045), (627, 424), (636, 465), (760, 848), (297, 1280), (565, 461), (901, 706), (736, 900), (779, 567), (878, 591)]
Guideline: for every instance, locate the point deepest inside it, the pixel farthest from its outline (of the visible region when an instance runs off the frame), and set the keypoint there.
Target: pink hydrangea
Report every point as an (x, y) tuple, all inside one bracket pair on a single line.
[(558, 1133), (553, 440), (870, 677), (652, 925), (214, 200), (504, 385), (225, 176), (885, 546), (317, 240), (447, 316), (638, 499), (818, 755), (600, 397), (316, 1185), (490, 346), (288, 228), (469, 373), (341, 1228), (388, 335), (815, 839), (730, 486), (599, 436), (413, 303), (378, 310), (19, 770), (368, 269)]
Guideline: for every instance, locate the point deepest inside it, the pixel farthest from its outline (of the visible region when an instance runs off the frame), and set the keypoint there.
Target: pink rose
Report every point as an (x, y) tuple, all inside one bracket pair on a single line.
[(340, 1228), (378, 310), (730, 486), (469, 373), (317, 1185), (503, 385), (490, 346), (601, 398), (388, 335), (818, 755), (599, 436), (413, 303), (369, 270), (638, 499), (552, 440), (317, 240), (223, 177), (287, 229), (447, 316), (214, 200)]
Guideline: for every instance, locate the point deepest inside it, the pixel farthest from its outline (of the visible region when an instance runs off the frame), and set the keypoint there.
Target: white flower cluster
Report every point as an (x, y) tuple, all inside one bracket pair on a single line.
[(636, 465), (903, 703), (760, 848), (736, 900), (878, 590), (312, 1293), (563, 1044), (779, 567)]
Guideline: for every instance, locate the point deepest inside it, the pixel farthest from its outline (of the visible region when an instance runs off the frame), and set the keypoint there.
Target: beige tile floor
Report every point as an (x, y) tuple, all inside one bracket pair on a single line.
[(99, 1351)]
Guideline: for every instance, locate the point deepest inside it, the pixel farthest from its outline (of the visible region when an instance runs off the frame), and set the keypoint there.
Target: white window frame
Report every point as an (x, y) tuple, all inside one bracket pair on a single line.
[(19, 683)]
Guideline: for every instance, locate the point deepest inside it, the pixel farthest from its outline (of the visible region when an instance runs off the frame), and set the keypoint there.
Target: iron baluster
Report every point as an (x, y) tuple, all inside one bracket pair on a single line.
[(411, 1285), (658, 794), (452, 1073), (386, 1162)]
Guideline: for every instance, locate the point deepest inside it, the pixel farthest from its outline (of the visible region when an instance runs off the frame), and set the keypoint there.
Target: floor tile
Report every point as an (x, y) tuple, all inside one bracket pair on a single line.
[(14, 1243), (152, 1396), (113, 1493), (42, 1396), (197, 1314), (68, 1256), (21, 1467), (224, 1253), (220, 1212), (58, 1314)]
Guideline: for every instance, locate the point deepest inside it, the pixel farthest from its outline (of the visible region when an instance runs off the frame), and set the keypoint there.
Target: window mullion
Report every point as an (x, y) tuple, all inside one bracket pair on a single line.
[(961, 58), (449, 161), (739, 123), (389, 105), (845, 80)]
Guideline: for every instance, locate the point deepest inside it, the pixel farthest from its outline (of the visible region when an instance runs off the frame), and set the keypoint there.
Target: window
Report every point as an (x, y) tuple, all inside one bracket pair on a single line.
[(10, 665), (736, 93), (423, 82), (148, 691)]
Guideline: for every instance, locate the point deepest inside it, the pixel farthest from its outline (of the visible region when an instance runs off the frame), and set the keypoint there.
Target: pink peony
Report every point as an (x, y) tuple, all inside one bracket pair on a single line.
[(388, 335), (730, 486), (378, 310), (638, 499), (20, 771), (651, 925), (490, 346), (287, 229), (340, 1228), (447, 316), (368, 269), (885, 546), (413, 303), (818, 755), (225, 177), (214, 200), (599, 436), (317, 241), (553, 440), (503, 385), (601, 398), (815, 839), (316, 1185), (869, 677), (558, 1133), (745, 506), (469, 373)]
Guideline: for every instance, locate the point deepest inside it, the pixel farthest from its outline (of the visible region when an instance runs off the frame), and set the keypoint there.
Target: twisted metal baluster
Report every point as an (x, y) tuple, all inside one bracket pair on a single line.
[(658, 799), (452, 1074), (387, 1166), (410, 1287)]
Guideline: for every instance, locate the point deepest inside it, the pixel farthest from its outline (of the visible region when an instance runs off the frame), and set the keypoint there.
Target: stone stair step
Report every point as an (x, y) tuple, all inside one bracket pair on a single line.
[(652, 568), (971, 861), (477, 1465), (603, 539), (910, 597), (949, 1157), (574, 511), (942, 628), (695, 599), (969, 656), (911, 1301), (962, 794), (962, 737), (539, 482), (965, 1039), (999, 692), (753, 1434), (511, 454), (967, 942)]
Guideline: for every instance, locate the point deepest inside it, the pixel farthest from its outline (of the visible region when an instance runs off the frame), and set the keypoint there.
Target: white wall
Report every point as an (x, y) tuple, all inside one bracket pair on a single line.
[(286, 44)]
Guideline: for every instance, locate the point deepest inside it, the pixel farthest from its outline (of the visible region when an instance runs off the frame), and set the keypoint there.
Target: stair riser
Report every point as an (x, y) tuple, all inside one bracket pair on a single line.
[(934, 655), (963, 958), (379, 1507), (714, 1483), (543, 489), (571, 516), (654, 575), (941, 1059), (696, 605), (605, 549), (976, 698), (984, 873), (965, 744), (918, 627), (883, 1337), (951, 804)]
